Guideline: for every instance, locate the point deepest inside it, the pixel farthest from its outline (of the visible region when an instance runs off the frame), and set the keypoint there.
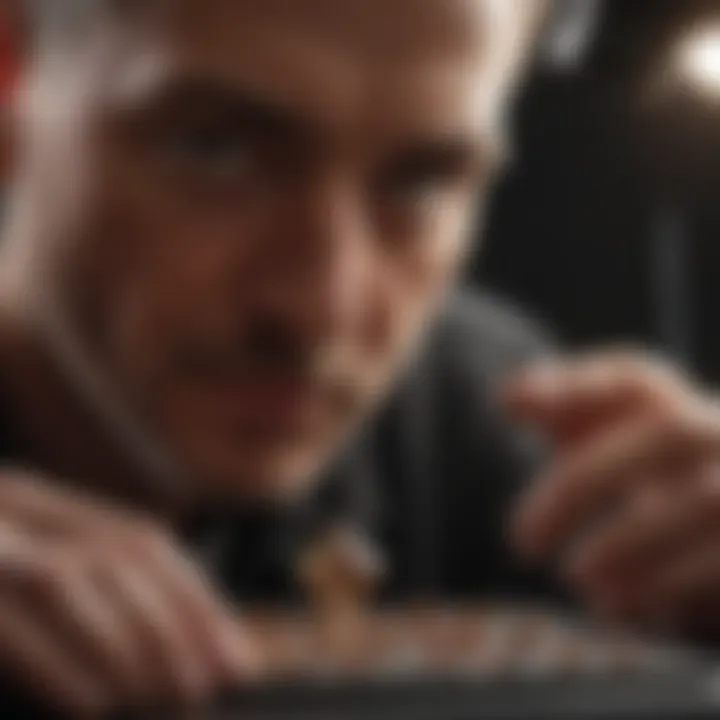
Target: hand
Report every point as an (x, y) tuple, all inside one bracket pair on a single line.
[(98, 610), (630, 507)]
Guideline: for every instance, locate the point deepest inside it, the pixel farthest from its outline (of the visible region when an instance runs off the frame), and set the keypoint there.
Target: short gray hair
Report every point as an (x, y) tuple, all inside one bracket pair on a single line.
[(53, 20), (50, 19)]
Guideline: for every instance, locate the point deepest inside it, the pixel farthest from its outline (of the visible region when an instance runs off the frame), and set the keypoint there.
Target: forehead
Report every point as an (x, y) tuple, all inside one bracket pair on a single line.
[(349, 62), (381, 28)]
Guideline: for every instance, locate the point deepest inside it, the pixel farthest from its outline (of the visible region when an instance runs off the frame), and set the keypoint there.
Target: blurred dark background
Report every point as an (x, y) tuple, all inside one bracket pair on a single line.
[(607, 226)]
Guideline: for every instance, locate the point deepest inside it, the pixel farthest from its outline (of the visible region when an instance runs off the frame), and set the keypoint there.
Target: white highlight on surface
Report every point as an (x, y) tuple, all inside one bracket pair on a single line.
[(699, 61), (572, 34)]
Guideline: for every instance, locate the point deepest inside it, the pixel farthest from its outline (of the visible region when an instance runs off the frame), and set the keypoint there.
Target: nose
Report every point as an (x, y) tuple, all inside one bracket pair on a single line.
[(320, 261)]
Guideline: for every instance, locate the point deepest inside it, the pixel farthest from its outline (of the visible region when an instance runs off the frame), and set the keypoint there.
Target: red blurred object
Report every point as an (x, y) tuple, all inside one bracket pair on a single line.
[(7, 62)]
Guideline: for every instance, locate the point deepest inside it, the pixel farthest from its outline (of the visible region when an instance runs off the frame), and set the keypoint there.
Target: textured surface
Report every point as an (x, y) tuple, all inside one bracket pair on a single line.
[(471, 663), (452, 642)]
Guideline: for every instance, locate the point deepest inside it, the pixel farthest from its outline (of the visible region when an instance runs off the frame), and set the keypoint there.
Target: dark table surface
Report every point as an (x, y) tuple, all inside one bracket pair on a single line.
[(694, 695), (669, 684)]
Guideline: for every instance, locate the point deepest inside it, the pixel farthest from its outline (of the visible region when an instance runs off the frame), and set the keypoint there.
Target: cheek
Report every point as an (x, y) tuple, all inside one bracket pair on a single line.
[(430, 264), (150, 270), (414, 280)]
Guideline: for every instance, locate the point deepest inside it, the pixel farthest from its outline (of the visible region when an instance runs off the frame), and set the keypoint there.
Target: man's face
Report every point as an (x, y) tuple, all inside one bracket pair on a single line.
[(251, 208)]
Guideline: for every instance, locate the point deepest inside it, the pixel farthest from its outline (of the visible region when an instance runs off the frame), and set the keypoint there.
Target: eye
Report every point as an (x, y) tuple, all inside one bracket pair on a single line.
[(210, 149), (418, 189), (411, 200), (421, 181)]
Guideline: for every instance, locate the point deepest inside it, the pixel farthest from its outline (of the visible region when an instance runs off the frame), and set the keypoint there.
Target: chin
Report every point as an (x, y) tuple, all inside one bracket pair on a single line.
[(245, 468), (272, 479)]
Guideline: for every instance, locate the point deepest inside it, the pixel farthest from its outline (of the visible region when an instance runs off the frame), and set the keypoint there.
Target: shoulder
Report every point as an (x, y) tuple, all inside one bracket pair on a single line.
[(476, 342), (455, 461), (483, 337)]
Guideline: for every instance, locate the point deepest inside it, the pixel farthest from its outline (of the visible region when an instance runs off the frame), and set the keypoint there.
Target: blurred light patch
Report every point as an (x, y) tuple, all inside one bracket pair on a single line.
[(572, 34), (699, 61)]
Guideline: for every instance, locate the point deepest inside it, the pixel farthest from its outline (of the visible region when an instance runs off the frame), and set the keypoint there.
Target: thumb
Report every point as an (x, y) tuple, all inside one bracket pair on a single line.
[(566, 409)]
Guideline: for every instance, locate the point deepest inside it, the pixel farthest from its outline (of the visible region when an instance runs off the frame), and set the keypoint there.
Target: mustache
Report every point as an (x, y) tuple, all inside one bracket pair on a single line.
[(268, 348)]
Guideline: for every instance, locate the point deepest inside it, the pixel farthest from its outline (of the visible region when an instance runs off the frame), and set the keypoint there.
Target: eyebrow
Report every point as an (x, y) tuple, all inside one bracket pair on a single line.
[(256, 111), (208, 97), (453, 154)]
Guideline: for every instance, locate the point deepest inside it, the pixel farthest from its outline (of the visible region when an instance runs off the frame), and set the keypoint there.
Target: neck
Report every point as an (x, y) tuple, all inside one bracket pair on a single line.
[(59, 432)]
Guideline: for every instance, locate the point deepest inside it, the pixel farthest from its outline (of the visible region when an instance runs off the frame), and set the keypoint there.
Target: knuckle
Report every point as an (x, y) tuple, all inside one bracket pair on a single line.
[(617, 354), (632, 363), (605, 553), (148, 537), (16, 484), (653, 378), (676, 428), (41, 580), (706, 501), (17, 478), (697, 427), (642, 372)]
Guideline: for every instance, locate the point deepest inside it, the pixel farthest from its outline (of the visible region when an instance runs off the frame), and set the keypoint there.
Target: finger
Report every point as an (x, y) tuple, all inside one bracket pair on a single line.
[(585, 482), (55, 582), (160, 643), (24, 627), (31, 656), (116, 619), (217, 636), (570, 399), (86, 622), (182, 631), (691, 581), (147, 607), (677, 595), (672, 594), (28, 501), (647, 532)]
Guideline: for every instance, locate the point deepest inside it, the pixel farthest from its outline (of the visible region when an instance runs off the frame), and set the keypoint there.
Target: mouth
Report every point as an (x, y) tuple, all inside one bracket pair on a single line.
[(268, 404)]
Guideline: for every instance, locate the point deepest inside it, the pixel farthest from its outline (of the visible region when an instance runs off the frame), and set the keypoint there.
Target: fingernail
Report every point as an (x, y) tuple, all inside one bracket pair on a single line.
[(542, 381)]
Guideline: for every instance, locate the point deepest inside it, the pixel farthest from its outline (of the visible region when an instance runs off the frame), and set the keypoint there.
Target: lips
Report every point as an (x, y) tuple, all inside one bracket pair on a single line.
[(270, 404)]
